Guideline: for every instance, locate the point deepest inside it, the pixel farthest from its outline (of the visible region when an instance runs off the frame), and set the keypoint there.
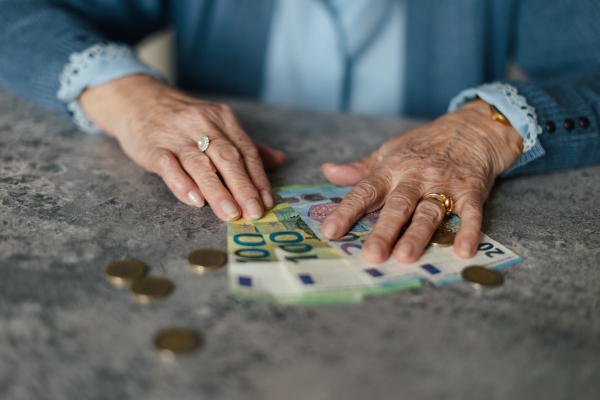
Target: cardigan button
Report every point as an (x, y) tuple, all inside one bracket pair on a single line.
[(569, 124), (550, 127), (584, 122)]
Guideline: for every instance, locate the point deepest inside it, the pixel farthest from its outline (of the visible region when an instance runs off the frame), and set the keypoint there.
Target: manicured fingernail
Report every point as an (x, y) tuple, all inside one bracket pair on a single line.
[(466, 248), (254, 208), (405, 249), (195, 199), (267, 198), (229, 209), (330, 229), (375, 249)]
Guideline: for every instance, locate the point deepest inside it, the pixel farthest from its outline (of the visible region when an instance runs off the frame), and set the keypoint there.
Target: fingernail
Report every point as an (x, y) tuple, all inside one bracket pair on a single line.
[(267, 198), (229, 209), (330, 229), (254, 208), (405, 249), (466, 248), (375, 249), (195, 199)]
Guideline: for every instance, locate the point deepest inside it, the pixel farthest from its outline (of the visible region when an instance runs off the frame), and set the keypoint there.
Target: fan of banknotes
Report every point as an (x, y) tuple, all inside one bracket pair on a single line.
[(284, 258)]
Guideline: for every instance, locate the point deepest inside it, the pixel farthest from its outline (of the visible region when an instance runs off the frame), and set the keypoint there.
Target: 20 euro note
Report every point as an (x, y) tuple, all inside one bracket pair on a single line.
[(439, 265)]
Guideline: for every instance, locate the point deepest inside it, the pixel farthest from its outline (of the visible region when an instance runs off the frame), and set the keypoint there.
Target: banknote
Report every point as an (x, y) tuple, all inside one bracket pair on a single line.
[(313, 205), (283, 238), (321, 282), (284, 258), (438, 265)]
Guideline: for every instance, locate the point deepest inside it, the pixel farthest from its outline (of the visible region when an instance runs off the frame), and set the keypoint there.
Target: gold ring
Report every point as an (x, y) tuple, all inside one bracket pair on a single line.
[(205, 141), (442, 198)]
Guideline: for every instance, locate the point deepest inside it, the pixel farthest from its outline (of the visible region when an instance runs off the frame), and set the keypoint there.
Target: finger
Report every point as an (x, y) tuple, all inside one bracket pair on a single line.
[(271, 158), (256, 171), (183, 187), (251, 160), (350, 174), (470, 211), (427, 217), (397, 210), (368, 195), (203, 171), (229, 162)]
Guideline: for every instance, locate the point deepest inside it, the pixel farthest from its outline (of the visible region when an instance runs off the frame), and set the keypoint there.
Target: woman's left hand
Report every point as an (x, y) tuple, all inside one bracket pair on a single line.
[(460, 155)]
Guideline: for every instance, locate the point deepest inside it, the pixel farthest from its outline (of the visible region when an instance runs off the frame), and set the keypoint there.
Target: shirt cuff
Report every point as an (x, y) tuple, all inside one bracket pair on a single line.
[(515, 108), (98, 64)]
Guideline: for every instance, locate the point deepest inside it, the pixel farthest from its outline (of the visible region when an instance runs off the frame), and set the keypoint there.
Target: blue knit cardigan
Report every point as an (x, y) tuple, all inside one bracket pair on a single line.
[(452, 45)]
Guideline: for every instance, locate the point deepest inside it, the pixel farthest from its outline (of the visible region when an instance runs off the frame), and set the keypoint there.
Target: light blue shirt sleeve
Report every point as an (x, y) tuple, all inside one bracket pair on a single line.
[(515, 108), (98, 64)]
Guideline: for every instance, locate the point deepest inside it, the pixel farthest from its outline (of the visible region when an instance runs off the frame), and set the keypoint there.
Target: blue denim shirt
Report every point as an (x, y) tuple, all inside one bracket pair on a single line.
[(226, 46)]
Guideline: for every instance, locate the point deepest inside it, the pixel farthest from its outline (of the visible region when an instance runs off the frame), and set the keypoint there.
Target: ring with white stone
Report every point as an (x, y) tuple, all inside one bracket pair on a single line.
[(205, 141)]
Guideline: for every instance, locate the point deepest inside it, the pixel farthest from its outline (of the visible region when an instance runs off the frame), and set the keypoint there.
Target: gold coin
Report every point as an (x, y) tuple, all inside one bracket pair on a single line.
[(442, 238), (177, 340), (122, 272), (207, 259), (482, 276), (151, 288)]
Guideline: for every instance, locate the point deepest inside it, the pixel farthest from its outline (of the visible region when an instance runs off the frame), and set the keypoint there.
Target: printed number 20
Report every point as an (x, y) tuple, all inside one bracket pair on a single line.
[(489, 246)]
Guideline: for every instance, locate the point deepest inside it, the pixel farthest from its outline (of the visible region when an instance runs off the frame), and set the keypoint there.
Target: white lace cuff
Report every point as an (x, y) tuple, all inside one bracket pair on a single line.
[(98, 64), (521, 115)]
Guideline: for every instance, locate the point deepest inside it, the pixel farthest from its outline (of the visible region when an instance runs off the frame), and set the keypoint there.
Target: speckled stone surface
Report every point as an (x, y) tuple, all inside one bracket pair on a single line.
[(71, 203)]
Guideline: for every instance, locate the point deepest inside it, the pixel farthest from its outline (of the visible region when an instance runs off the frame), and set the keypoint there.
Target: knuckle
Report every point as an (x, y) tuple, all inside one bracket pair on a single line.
[(198, 164), (365, 192), (225, 108), (400, 204), (431, 211), (177, 184), (229, 154), (250, 151), (163, 162)]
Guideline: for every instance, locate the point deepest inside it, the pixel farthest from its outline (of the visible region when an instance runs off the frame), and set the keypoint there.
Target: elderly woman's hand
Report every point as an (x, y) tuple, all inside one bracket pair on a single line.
[(460, 154), (159, 127)]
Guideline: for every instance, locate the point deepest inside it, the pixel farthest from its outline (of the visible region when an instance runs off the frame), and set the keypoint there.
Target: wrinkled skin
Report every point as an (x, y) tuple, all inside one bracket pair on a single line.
[(460, 154), (159, 127)]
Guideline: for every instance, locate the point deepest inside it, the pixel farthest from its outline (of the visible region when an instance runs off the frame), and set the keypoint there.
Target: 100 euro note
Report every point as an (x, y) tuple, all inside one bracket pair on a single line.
[(280, 257), (438, 265), (259, 252)]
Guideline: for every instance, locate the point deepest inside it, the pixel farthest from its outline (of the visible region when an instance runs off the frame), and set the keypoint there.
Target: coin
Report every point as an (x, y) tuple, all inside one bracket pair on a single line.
[(177, 340), (442, 238), (151, 288), (122, 272), (482, 276), (207, 259)]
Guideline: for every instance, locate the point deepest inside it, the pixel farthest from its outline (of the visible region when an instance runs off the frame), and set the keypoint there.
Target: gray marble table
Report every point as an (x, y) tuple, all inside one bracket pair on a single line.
[(71, 203)]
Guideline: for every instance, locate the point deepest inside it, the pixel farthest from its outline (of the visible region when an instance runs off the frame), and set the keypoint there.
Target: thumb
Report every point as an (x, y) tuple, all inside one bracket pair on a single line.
[(271, 158), (350, 174)]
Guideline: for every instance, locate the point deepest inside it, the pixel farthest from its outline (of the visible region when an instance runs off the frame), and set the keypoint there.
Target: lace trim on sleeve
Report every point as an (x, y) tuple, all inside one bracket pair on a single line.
[(79, 63), (512, 95)]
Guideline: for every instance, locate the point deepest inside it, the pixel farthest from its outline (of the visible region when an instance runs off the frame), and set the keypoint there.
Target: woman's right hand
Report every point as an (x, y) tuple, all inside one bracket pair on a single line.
[(159, 127)]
